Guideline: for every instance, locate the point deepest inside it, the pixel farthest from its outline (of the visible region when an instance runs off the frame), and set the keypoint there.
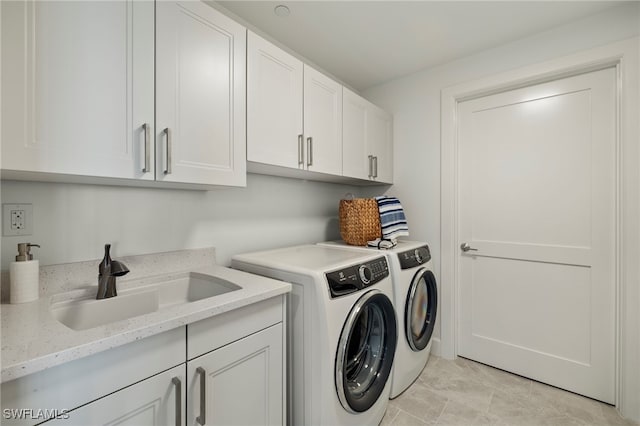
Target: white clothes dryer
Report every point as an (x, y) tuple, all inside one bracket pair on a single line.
[(416, 302), (342, 331)]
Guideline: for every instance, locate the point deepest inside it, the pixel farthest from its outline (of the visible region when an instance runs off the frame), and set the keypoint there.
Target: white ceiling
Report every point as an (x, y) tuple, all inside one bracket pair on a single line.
[(366, 43)]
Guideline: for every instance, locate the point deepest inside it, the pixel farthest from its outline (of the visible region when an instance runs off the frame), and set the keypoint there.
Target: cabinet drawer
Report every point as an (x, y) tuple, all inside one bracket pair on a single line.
[(70, 385), (212, 333), (157, 401)]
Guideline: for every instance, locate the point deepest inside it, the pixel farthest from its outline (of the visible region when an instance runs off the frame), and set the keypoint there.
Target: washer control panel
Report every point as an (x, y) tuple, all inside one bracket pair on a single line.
[(416, 257), (357, 277)]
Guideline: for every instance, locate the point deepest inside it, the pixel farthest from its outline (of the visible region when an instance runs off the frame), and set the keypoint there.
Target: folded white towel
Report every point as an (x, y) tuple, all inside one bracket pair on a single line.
[(382, 244)]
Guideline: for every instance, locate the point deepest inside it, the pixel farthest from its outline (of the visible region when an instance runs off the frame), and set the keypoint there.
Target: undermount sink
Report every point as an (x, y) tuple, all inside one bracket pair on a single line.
[(82, 314)]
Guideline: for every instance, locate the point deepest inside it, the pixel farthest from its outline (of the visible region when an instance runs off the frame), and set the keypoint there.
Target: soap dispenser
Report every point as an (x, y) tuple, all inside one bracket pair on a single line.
[(24, 276)]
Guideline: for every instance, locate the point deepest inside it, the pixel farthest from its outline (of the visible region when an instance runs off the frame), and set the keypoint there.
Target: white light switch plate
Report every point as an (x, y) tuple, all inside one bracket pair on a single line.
[(17, 219)]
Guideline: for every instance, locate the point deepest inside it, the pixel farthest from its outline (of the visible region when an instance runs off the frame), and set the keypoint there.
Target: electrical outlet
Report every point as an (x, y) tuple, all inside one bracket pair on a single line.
[(17, 219)]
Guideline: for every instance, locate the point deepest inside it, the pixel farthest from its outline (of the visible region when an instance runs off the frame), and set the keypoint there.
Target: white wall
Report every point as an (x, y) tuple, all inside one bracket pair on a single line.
[(414, 102), (73, 222)]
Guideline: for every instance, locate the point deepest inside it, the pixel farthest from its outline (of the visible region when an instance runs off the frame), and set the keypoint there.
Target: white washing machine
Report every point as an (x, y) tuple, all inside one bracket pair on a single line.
[(342, 331), (416, 302)]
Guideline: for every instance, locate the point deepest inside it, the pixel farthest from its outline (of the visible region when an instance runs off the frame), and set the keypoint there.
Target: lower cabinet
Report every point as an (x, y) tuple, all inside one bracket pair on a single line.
[(223, 370), (238, 384), (157, 400)]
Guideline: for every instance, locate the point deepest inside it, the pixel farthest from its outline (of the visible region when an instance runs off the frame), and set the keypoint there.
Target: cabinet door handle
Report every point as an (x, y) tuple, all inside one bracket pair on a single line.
[(146, 129), (300, 150), (370, 166), (375, 166), (167, 133), (309, 151), (178, 384), (202, 418)]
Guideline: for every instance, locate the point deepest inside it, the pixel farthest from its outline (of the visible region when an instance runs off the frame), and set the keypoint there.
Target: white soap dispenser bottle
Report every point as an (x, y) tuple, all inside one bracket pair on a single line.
[(24, 276)]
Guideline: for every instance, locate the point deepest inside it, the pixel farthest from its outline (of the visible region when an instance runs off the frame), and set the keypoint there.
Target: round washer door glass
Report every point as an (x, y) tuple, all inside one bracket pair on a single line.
[(365, 352), (420, 310)]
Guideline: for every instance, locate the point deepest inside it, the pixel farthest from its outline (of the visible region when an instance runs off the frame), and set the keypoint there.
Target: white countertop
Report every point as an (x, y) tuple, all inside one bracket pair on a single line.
[(33, 340)]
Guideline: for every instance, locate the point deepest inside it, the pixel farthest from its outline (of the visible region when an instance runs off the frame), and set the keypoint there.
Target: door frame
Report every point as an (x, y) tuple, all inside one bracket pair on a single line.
[(623, 56)]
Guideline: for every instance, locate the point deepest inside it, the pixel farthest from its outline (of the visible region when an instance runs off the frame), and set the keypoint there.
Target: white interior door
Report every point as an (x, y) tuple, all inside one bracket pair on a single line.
[(537, 184)]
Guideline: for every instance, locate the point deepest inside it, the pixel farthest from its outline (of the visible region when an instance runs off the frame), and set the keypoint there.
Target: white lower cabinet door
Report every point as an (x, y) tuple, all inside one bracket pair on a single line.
[(238, 384), (156, 401)]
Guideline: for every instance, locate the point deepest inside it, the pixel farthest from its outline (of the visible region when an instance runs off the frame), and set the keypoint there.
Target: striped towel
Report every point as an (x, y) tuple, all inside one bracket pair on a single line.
[(392, 219)]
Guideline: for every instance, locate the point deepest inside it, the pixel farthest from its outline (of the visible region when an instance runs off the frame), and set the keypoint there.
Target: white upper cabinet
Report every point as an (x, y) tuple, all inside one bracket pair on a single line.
[(380, 141), (294, 112), (77, 87), (367, 140), (274, 105), (200, 95), (322, 123), (78, 92), (356, 160)]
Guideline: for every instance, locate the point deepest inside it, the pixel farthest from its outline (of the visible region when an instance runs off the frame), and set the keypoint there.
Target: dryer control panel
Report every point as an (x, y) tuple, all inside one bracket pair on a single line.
[(357, 277), (416, 257)]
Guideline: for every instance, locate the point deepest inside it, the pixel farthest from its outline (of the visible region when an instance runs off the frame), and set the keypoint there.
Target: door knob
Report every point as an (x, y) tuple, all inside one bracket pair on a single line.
[(465, 247)]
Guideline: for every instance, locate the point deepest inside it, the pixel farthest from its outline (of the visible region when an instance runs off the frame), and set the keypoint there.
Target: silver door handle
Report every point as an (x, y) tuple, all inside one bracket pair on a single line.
[(370, 166), (202, 418), (178, 384), (167, 133), (146, 129), (309, 151), (465, 247), (375, 166), (300, 150)]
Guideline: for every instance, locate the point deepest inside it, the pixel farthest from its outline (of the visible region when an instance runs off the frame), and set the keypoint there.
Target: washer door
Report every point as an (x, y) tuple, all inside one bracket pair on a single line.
[(365, 352), (420, 309)]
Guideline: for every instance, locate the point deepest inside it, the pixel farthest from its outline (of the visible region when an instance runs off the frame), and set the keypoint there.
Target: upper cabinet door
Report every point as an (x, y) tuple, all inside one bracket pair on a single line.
[(274, 105), (322, 123), (74, 101), (380, 134), (357, 160), (200, 95), (367, 140)]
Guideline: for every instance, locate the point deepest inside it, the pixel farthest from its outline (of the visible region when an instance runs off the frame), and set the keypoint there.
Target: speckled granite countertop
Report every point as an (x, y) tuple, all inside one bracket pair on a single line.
[(33, 340)]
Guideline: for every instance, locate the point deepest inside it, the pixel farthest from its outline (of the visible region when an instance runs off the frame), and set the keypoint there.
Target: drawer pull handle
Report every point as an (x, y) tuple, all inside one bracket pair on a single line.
[(167, 170), (300, 150), (145, 128), (178, 384), (309, 151), (202, 418), (375, 166)]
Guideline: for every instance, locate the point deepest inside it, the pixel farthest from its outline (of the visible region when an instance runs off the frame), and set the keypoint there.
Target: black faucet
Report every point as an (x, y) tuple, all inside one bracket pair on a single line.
[(108, 270)]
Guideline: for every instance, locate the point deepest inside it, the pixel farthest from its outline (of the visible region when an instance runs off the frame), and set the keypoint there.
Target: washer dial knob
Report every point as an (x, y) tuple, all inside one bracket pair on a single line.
[(421, 255), (365, 274)]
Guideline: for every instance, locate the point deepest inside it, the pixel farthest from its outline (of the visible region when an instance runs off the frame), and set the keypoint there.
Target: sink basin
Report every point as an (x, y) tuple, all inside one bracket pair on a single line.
[(82, 314)]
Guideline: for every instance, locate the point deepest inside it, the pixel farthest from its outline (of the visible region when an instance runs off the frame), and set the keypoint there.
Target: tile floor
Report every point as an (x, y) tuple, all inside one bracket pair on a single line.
[(464, 392)]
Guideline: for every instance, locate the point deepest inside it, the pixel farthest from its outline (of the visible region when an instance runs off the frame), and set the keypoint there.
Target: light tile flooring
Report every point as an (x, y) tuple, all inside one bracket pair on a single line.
[(464, 392)]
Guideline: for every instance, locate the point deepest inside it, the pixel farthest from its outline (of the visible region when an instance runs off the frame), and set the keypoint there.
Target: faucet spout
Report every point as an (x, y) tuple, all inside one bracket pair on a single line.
[(108, 270)]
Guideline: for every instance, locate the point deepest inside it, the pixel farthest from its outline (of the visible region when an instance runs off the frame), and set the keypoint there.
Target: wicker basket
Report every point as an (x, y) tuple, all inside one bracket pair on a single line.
[(359, 221)]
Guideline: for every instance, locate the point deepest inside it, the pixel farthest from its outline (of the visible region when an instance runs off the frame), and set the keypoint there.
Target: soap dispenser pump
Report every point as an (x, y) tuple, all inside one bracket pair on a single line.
[(24, 276)]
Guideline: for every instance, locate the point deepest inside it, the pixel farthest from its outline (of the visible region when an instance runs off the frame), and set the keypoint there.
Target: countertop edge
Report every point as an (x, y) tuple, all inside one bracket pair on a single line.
[(100, 344)]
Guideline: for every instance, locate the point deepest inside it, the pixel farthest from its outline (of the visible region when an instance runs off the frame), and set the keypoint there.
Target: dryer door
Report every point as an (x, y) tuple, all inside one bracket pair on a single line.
[(365, 352), (420, 309)]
